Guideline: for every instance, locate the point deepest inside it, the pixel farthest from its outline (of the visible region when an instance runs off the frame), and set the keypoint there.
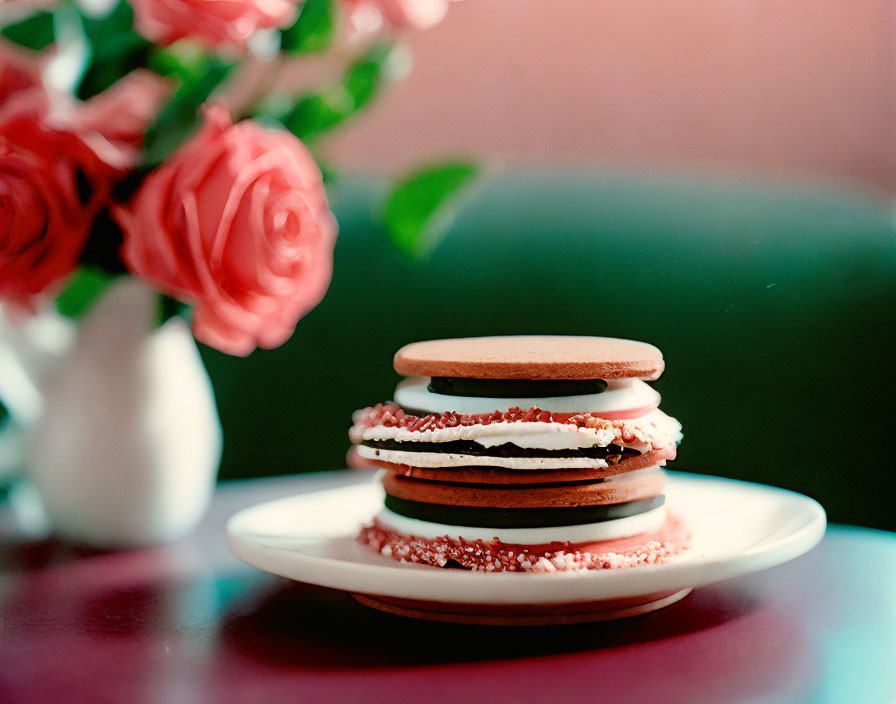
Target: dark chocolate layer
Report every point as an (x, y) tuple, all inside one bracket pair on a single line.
[(613, 454), (515, 388), (518, 517)]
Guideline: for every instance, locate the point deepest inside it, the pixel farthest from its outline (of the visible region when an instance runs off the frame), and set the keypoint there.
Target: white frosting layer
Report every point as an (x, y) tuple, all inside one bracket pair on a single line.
[(544, 440), (655, 429), (448, 459), (621, 394), (607, 530)]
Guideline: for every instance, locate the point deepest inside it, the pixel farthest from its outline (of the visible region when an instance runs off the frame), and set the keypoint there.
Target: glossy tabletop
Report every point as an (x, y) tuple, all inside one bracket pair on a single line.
[(189, 623)]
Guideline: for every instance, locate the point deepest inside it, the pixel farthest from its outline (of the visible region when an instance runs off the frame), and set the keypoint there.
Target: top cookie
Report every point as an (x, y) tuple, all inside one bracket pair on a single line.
[(531, 357)]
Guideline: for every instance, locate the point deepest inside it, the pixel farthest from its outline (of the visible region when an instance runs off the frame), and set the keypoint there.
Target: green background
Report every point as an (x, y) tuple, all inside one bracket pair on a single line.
[(773, 305)]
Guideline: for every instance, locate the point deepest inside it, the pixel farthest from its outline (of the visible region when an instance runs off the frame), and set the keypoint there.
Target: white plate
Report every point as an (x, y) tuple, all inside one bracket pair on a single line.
[(737, 528)]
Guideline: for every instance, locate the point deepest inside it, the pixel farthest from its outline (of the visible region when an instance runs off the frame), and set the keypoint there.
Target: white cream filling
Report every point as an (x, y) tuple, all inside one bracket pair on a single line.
[(606, 530), (621, 394), (542, 440), (655, 429), (448, 459)]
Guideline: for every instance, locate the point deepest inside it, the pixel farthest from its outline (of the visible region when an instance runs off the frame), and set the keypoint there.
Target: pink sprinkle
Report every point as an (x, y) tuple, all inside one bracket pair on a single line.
[(496, 556)]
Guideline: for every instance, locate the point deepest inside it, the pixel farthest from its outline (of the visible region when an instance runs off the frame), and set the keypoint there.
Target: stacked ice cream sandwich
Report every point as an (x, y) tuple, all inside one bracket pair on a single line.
[(526, 453)]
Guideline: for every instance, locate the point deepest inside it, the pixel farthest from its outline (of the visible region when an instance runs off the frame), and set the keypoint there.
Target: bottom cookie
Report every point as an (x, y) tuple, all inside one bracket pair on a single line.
[(495, 556)]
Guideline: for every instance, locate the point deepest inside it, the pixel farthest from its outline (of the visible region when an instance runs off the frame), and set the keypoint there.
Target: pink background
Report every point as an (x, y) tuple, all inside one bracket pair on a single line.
[(803, 86)]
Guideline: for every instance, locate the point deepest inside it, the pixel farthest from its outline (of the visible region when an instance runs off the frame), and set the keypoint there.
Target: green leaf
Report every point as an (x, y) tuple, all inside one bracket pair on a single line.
[(316, 113), (168, 308), (328, 173), (183, 60), (312, 30), (419, 213), (179, 119), (116, 49), (35, 32), (112, 60), (83, 289), (365, 76)]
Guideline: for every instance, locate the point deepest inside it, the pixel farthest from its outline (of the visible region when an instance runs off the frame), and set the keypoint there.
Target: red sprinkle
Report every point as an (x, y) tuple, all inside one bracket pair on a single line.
[(391, 415), (481, 556)]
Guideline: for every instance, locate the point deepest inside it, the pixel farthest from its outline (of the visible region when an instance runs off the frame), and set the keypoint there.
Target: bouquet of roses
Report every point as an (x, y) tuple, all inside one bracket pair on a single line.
[(155, 138)]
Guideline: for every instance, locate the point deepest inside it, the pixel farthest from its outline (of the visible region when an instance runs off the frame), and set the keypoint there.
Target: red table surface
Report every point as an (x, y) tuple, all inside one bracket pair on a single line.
[(190, 623)]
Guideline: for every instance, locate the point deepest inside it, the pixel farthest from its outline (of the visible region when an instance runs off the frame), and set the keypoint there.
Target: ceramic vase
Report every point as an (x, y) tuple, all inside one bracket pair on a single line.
[(126, 449)]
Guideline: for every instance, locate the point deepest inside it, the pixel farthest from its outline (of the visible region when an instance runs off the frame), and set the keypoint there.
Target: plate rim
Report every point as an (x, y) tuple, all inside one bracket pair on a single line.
[(461, 586)]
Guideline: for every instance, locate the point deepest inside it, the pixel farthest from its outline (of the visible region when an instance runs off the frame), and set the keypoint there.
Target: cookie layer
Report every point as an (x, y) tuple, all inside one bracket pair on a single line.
[(447, 459), (622, 488), (490, 475), (531, 357)]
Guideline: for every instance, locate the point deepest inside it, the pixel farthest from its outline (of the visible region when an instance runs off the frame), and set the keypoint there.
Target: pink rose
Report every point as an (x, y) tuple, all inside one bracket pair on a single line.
[(112, 123), (122, 113), (18, 72), (211, 22), (235, 222), (51, 186), (414, 14), (363, 18)]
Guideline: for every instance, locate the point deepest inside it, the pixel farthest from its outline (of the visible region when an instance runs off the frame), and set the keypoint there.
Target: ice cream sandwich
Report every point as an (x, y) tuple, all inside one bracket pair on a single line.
[(523, 453)]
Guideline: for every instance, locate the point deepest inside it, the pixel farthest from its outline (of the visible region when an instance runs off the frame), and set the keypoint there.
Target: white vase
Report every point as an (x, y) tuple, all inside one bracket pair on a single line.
[(127, 447)]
